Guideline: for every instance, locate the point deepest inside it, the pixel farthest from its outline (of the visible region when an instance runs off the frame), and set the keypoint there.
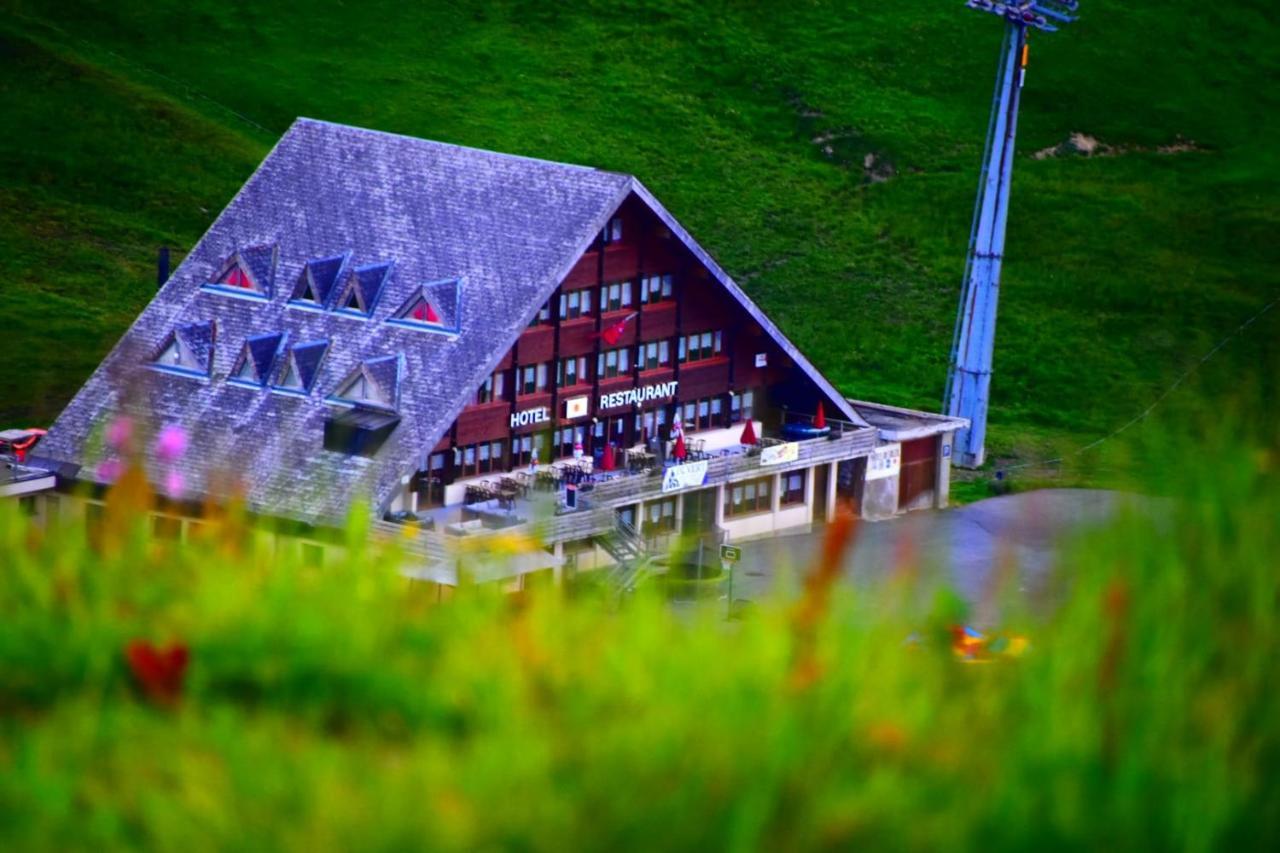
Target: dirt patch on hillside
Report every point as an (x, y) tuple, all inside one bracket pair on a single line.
[(1083, 145), (842, 146)]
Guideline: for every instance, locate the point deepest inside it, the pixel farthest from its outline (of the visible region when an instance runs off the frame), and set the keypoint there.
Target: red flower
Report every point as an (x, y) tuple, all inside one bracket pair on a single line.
[(159, 672)]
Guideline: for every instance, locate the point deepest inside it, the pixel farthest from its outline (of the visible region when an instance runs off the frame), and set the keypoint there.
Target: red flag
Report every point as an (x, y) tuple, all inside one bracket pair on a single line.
[(749, 433), (613, 333), (820, 419)]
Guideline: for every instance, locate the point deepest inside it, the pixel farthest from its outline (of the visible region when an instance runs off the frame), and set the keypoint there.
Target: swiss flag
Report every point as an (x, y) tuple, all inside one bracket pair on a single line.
[(613, 333)]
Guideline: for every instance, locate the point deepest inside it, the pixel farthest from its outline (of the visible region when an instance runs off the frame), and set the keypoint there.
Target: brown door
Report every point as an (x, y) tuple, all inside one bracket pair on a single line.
[(821, 476), (919, 469)]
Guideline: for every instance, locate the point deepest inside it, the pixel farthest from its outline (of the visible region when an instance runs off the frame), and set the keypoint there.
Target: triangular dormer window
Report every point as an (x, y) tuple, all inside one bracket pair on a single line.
[(353, 302), (423, 312), (187, 349), (374, 383), (247, 373), (433, 307), (290, 379), (236, 277)]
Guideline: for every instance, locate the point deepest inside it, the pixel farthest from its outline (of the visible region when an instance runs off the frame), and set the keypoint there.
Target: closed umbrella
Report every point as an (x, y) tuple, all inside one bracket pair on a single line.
[(680, 452), (820, 419), (749, 433), (607, 463)]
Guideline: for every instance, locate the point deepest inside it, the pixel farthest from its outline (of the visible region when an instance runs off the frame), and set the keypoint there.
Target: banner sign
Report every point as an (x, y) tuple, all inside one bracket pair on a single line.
[(884, 462), (530, 416), (780, 453), (684, 476), (661, 391)]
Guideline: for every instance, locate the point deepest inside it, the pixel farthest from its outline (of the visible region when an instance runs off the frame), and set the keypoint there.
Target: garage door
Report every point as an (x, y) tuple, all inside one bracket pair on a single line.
[(919, 470)]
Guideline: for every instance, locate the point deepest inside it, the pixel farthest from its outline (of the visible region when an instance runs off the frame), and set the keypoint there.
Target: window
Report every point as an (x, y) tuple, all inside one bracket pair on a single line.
[(741, 406), (653, 355), (749, 497), (655, 288), (531, 378), (650, 424), (422, 312), (612, 232), (572, 371), (615, 296), (361, 389), (492, 388), (543, 316), (614, 362), (575, 304), (565, 439), (700, 347), (706, 413), (792, 488), (659, 516), (475, 459), (523, 448), (236, 277)]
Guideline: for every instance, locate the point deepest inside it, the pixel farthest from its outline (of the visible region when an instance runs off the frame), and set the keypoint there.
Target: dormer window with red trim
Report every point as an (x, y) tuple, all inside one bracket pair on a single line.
[(431, 307), (236, 277)]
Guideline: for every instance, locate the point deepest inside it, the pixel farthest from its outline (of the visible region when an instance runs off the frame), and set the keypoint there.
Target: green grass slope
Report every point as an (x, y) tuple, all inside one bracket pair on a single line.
[(131, 127)]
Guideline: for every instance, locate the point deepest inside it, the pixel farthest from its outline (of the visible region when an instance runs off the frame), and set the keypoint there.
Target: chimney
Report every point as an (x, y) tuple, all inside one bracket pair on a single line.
[(162, 267)]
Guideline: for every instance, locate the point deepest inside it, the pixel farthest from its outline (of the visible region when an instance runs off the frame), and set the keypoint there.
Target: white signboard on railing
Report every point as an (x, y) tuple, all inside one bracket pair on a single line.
[(684, 476), (884, 462), (779, 453)]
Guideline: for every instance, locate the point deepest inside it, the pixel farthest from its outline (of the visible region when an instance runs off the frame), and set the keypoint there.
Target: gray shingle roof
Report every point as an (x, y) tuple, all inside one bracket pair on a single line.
[(486, 237)]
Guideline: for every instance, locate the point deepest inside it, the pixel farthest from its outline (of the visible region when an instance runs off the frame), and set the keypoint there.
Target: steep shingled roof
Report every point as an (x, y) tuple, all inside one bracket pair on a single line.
[(487, 236)]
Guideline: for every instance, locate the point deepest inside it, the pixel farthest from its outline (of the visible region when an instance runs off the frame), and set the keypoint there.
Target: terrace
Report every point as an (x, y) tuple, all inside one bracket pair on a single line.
[(534, 503)]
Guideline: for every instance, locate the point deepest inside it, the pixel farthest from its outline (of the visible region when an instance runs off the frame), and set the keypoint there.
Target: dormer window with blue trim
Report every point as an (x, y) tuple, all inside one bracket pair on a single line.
[(374, 383), (257, 359), (359, 295), (248, 273), (187, 350), (434, 307), (316, 283), (301, 367)]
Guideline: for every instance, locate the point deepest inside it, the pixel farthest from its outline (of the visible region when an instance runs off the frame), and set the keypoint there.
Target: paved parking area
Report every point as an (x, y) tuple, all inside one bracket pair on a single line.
[(964, 545)]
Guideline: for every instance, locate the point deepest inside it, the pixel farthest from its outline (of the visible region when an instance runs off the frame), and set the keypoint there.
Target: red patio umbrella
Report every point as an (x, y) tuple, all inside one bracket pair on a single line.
[(749, 433), (680, 452), (820, 419), (607, 463)]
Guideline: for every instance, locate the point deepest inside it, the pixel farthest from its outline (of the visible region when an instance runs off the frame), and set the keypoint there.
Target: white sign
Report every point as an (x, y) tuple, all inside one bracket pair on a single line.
[(762, 359), (638, 395), (684, 476), (780, 453), (530, 416), (576, 407), (884, 462)]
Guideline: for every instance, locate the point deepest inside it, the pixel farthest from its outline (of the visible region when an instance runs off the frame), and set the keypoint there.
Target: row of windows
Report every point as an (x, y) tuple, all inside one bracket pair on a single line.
[(755, 496), (533, 378), (613, 296)]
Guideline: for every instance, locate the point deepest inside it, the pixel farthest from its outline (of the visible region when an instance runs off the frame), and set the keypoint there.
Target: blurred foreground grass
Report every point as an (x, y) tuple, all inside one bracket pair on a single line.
[(339, 708)]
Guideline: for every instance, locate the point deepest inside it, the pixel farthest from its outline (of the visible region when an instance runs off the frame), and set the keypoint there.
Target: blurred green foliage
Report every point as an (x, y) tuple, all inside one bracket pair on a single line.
[(344, 707)]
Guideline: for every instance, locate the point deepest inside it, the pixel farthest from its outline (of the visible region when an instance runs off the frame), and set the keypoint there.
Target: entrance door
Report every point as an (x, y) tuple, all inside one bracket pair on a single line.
[(851, 475), (919, 471), (821, 477), (700, 511)]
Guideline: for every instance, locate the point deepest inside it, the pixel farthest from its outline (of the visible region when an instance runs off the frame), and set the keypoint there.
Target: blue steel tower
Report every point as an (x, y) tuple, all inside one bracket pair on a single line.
[(969, 379)]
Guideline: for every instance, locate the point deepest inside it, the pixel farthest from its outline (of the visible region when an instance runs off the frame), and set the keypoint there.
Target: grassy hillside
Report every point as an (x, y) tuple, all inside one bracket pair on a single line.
[(132, 127)]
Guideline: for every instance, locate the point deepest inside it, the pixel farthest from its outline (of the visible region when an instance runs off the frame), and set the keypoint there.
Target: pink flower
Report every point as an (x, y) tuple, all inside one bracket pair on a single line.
[(110, 469), (119, 432), (171, 443), (174, 484)]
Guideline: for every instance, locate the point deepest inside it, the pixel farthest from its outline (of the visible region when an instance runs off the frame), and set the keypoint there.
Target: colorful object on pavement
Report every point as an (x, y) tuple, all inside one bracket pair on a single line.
[(972, 646)]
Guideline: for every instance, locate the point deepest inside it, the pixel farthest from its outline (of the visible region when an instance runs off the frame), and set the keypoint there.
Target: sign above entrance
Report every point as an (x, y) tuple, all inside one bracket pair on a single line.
[(684, 476), (638, 396), (576, 407), (530, 416), (779, 453), (884, 462)]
